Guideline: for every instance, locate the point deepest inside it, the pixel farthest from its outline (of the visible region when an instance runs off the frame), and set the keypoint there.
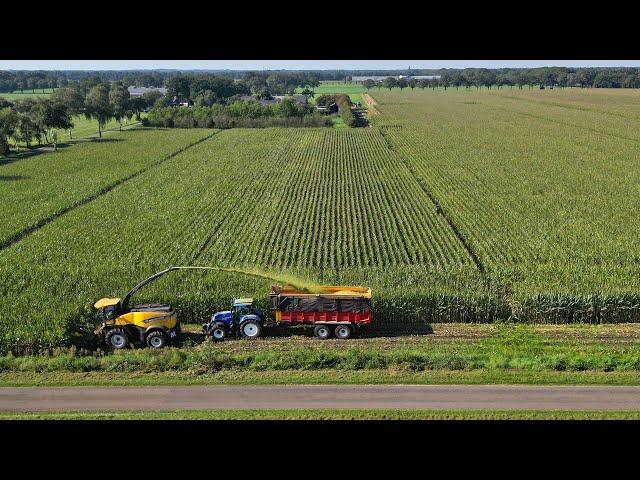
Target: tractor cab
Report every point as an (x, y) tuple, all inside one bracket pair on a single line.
[(242, 306), (243, 318)]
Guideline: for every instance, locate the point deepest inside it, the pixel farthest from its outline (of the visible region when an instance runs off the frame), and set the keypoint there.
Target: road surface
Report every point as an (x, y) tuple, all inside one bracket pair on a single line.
[(486, 397)]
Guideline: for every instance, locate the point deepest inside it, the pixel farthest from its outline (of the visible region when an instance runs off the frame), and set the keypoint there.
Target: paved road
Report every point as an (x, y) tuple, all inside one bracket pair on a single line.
[(56, 399)]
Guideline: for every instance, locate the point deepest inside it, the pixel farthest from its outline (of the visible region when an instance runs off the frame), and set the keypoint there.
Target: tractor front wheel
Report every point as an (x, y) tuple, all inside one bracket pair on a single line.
[(156, 340), (250, 329), (322, 332), (219, 331), (117, 338)]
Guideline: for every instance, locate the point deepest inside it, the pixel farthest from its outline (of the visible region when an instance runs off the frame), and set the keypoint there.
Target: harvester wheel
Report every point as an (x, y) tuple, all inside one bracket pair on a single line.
[(250, 329), (322, 332), (117, 338), (219, 331), (343, 331), (156, 340)]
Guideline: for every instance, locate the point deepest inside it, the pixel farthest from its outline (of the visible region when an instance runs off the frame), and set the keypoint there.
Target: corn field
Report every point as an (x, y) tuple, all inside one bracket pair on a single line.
[(452, 206)]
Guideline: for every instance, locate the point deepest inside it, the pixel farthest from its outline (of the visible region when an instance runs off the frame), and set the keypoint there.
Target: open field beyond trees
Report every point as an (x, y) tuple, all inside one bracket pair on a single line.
[(457, 206), (354, 90), (22, 95)]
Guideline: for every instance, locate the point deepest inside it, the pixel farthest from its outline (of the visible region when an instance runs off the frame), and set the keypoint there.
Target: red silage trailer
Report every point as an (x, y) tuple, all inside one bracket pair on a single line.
[(332, 309)]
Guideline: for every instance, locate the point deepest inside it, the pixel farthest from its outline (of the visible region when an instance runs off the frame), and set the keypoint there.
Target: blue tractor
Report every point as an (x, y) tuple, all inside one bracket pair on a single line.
[(243, 319)]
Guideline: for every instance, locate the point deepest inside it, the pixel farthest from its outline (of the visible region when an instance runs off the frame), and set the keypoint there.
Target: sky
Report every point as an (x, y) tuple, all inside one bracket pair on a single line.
[(298, 64)]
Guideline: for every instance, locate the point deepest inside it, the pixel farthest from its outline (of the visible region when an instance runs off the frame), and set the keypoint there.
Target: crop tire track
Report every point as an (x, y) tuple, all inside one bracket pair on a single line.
[(440, 210), (13, 239)]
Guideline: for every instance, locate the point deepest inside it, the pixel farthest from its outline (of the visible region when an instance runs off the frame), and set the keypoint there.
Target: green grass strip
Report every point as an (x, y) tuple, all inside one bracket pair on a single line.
[(327, 414), (326, 377)]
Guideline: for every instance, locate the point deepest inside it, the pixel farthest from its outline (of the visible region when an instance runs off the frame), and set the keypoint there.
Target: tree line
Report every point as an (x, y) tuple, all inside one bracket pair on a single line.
[(539, 77), (238, 113), (30, 81), (187, 85), (206, 90), (285, 81), (37, 119)]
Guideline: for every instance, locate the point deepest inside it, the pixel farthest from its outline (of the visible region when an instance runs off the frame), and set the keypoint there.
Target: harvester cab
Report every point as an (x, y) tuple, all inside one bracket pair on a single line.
[(119, 325), (243, 318)]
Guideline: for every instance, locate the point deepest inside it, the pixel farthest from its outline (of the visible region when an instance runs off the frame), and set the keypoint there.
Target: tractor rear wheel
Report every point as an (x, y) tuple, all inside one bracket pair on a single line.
[(322, 332), (343, 331), (117, 338), (250, 329), (156, 340), (219, 331)]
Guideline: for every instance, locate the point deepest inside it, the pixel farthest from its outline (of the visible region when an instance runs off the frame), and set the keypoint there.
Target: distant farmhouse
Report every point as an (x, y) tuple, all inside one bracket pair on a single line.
[(139, 91), (177, 101), (328, 109), (301, 99), (380, 78)]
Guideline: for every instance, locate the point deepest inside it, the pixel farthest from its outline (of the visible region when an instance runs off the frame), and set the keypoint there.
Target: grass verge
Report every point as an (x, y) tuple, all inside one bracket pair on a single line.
[(298, 377), (463, 354)]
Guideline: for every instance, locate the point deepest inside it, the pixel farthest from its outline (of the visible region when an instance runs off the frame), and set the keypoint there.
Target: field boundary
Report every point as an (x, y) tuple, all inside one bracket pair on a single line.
[(13, 239), (440, 210)]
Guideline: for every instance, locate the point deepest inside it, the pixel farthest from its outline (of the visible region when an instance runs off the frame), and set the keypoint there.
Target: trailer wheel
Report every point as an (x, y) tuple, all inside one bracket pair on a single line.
[(322, 332), (343, 331), (117, 338), (219, 331), (250, 329)]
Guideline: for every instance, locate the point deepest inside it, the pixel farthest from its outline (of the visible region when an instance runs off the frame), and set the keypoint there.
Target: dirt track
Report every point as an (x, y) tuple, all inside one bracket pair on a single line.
[(487, 397), (369, 99)]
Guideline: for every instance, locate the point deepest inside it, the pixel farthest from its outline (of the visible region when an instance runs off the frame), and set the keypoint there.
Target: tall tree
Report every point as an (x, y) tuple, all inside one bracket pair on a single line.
[(73, 98), (390, 82), (178, 86), (26, 128), (98, 107), (56, 117), (8, 126), (445, 79), (119, 99), (31, 114), (368, 83)]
